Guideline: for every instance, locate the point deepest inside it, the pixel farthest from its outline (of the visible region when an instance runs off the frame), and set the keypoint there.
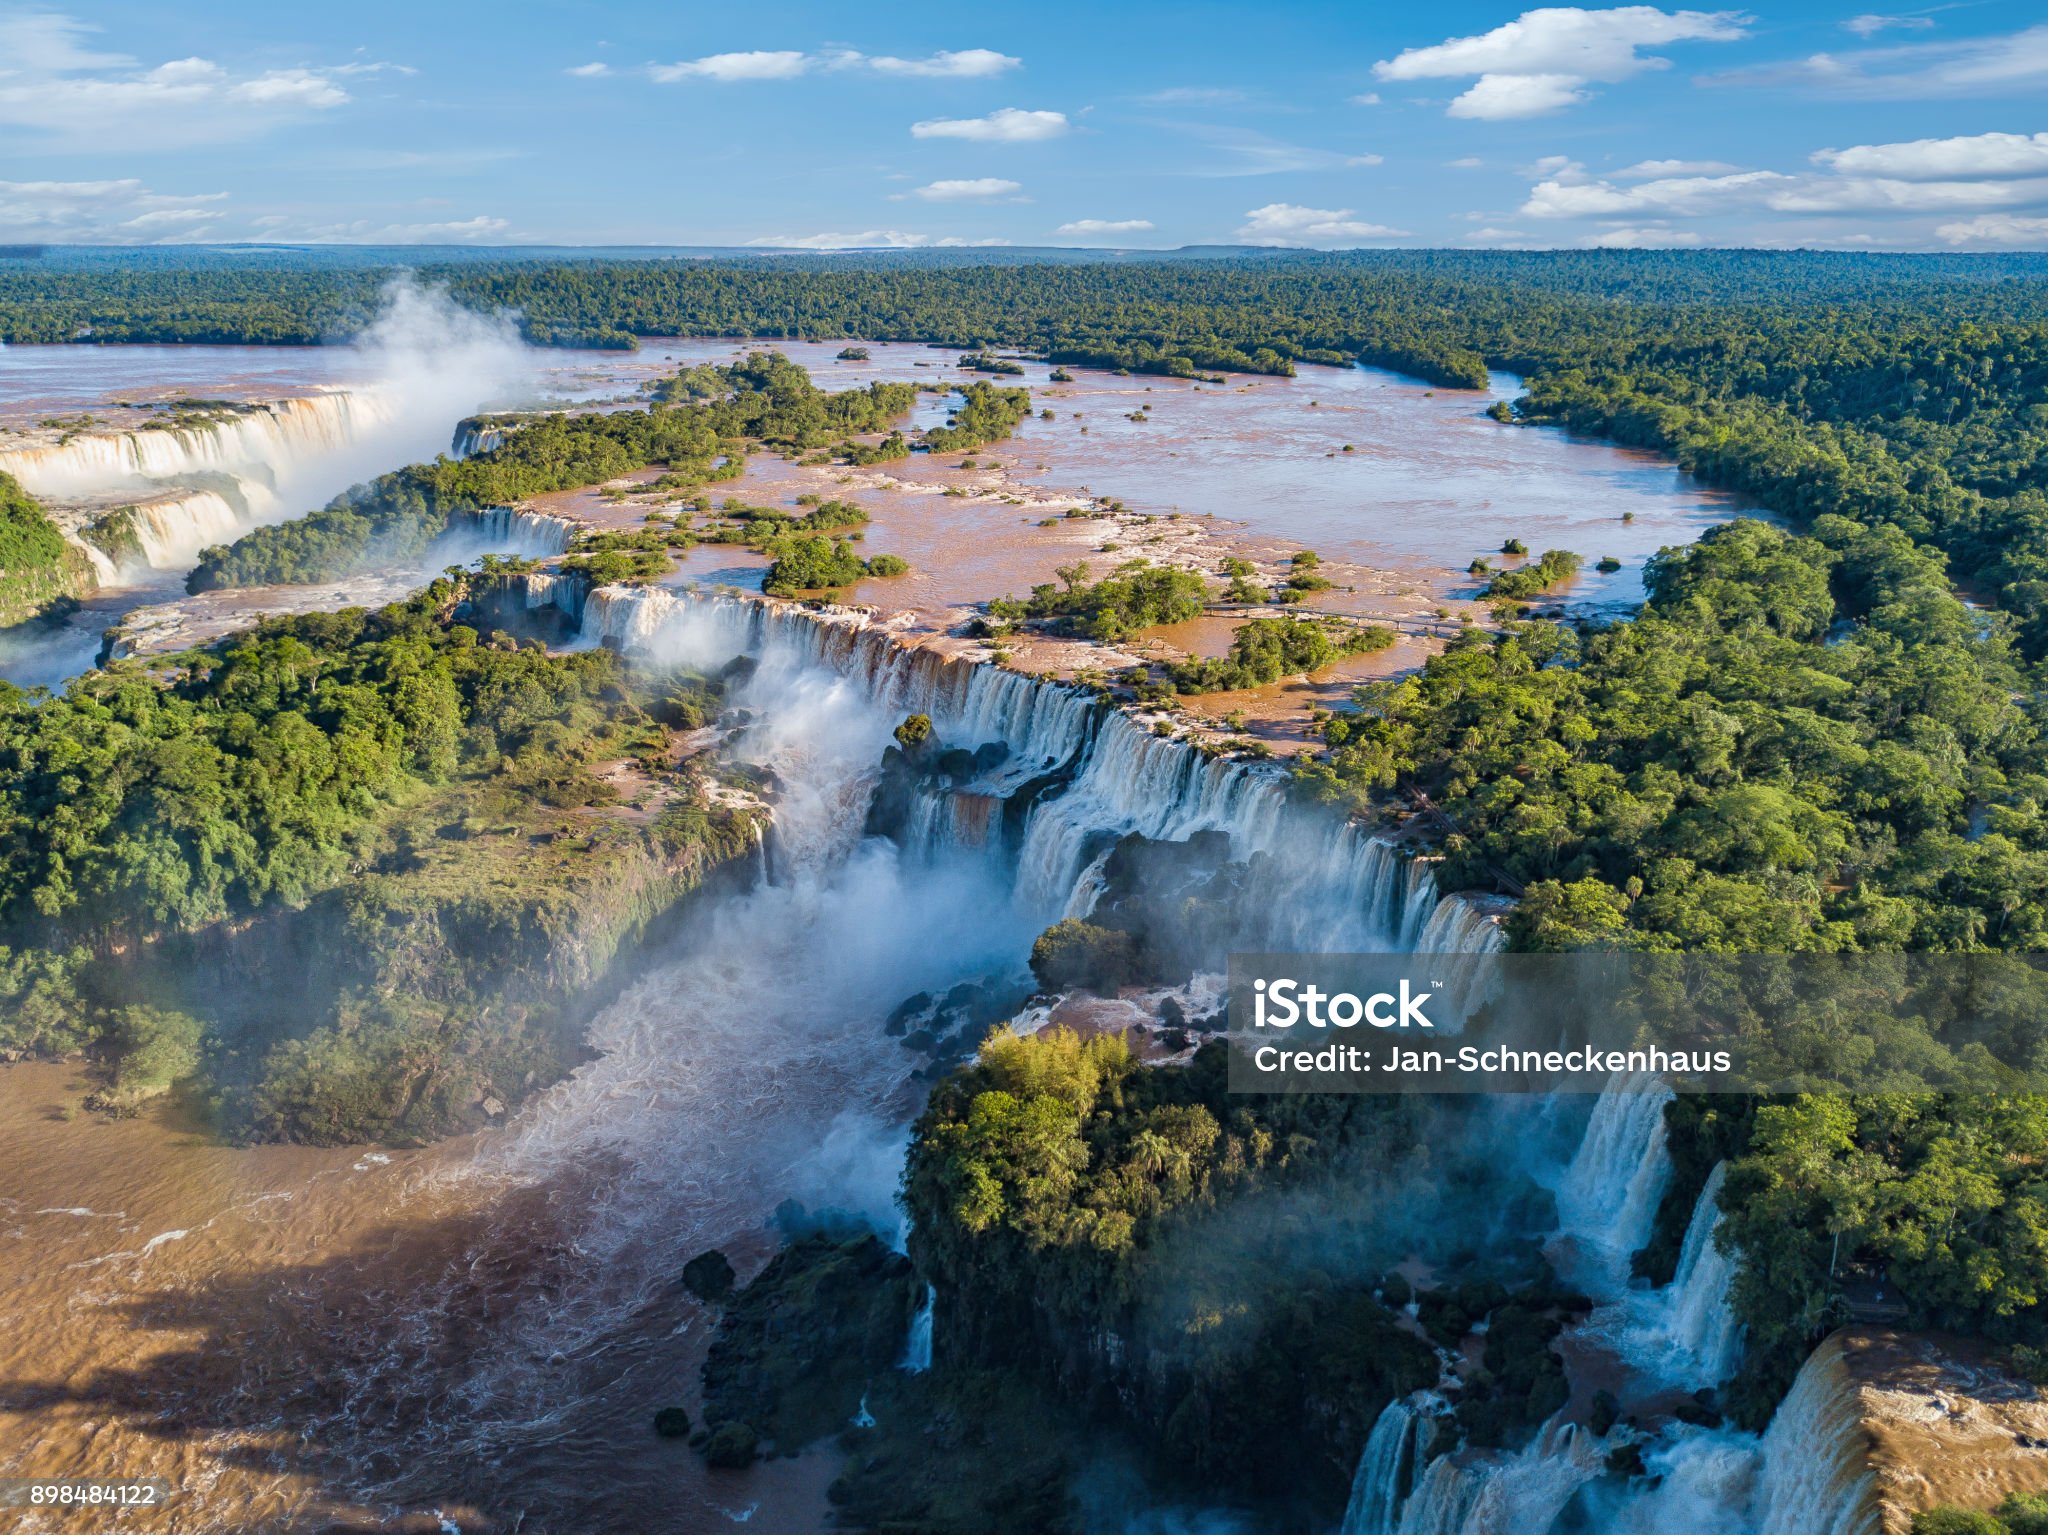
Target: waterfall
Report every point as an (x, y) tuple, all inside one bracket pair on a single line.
[(1092, 774), (1816, 1477), (474, 437), (1607, 1201), (1399, 1442), (1699, 1323), (1492, 1494), (508, 530), (171, 530), (250, 445), (917, 1356)]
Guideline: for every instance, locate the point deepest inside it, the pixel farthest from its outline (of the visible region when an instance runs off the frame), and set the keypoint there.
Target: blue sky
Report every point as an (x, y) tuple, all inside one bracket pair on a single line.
[(1129, 124)]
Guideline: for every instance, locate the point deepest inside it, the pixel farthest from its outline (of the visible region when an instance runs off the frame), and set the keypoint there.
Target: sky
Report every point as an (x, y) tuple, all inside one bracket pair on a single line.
[(1798, 123)]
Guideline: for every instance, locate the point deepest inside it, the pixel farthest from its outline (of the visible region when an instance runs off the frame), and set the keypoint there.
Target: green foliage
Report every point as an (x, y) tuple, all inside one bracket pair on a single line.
[(149, 1048), (1780, 753), (1138, 596), (1073, 953), (985, 414), (812, 562), (38, 569), (1556, 567), (1264, 650)]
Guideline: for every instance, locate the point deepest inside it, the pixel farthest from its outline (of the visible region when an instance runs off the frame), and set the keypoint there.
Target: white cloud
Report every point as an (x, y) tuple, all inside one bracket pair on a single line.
[(1543, 60), (588, 71), (484, 229), (2008, 62), (789, 63), (1104, 227), (1366, 99), (977, 189), (1645, 239), (1006, 125), (1772, 191), (1985, 154), (52, 85), (784, 64), (1292, 224), (1365, 160), (946, 64), (1490, 234), (1465, 163), (866, 239), (1868, 25), (1497, 98), (1647, 170), (1996, 229), (121, 212)]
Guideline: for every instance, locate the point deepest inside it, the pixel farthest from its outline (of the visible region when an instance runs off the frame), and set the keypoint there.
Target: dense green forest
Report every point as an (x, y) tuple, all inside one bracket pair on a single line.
[(38, 569), (352, 874), (1826, 736)]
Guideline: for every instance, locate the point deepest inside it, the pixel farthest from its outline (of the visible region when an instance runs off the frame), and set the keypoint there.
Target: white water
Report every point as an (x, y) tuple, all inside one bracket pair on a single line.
[(1687, 1332), (172, 530), (917, 1356), (1607, 1202), (1806, 1475), (750, 1065), (1323, 884)]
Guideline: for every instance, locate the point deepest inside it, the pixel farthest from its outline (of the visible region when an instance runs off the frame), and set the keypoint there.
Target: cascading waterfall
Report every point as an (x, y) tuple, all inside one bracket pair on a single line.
[(1519, 1494), (1816, 1477), (1607, 1201), (1347, 891), (508, 530), (1394, 1454), (1692, 1323), (474, 437), (917, 1356), (249, 446), (171, 530)]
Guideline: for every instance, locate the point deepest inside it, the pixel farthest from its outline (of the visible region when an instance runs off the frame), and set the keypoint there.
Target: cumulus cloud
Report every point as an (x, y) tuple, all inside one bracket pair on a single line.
[(975, 189), (123, 212), (1869, 25), (1544, 59), (1005, 125), (1570, 195), (1104, 227), (484, 229), (1994, 155), (1650, 238), (788, 63), (1366, 99), (588, 71), (53, 84), (1465, 163), (1292, 224), (946, 64), (1646, 170), (2008, 62), (866, 239), (758, 64), (1996, 229)]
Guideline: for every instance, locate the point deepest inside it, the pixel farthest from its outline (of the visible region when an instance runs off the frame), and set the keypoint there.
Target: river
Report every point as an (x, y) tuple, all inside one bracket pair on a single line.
[(473, 1336)]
